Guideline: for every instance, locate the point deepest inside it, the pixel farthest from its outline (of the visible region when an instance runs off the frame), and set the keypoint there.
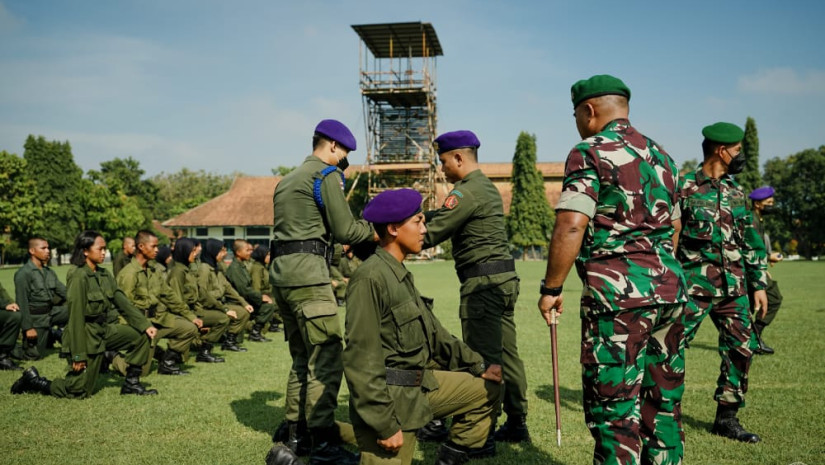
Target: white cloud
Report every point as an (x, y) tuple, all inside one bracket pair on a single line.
[(784, 81)]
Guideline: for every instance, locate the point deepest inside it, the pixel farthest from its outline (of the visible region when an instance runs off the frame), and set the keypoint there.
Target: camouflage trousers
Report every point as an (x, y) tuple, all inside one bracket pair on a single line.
[(732, 318), (633, 372)]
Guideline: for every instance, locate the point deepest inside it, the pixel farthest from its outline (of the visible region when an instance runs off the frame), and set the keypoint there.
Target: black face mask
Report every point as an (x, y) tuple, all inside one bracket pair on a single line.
[(736, 164), (343, 164), (768, 210)]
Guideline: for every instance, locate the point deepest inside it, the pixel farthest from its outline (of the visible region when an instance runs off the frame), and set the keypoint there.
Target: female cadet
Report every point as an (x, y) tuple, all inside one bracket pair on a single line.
[(92, 293), (260, 281), (184, 282), (216, 293)]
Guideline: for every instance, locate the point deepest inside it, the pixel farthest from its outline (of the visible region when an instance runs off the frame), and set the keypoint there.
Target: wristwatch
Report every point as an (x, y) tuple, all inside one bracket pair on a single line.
[(554, 291)]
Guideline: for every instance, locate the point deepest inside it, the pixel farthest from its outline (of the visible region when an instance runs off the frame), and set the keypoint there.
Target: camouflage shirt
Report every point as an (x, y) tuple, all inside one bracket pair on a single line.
[(719, 248), (627, 185)]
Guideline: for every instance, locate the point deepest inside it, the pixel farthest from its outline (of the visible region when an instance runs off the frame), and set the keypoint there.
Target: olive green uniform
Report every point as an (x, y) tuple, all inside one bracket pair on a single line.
[(473, 218), (184, 284), (259, 277), (238, 274), (119, 262), (41, 297), (9, 323), (382, 300), (91, 295), (148, 290), (302, 287), (215, 293)]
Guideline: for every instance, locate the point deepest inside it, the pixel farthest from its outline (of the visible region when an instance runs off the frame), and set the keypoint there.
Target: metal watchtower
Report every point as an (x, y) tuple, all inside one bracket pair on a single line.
[(397, 64)]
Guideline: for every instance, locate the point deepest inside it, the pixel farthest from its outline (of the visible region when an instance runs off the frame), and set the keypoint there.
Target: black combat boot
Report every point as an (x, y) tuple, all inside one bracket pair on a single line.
[(514, 430), (231, 343), (205, 354), (727, 425), (280, 454), (434, 431), (256, 335), (451, 454), (169, 364), (275, 327), (298, 439), (327, 449), (31, 381), (6, 363), (763, 348), (131, 385)]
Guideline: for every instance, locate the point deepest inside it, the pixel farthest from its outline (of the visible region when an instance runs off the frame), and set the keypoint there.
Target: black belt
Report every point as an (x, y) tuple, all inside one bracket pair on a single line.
[(99, 319), (39, 310), (484, 269), (312, 246), (397, 377)]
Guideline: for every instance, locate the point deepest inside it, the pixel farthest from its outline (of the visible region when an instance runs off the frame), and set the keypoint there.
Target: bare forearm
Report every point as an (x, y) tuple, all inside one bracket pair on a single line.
[(564, 246)]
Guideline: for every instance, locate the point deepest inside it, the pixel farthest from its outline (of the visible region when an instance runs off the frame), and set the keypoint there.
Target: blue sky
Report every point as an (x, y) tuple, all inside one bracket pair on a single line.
[(239, 86)]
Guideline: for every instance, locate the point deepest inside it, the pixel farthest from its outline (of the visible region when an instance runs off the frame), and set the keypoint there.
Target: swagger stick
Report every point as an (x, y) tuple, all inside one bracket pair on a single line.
[(554, 350)]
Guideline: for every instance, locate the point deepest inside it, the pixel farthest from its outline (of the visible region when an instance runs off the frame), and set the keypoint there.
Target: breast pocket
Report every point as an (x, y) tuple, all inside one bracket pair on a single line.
[(409, 329), (699, 223)]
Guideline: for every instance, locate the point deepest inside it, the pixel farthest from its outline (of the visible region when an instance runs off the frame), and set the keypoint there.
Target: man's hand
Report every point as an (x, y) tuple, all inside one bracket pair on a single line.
[(12, 307), (760, 303), (548, 304), (775, 257), (198, 322), (392, 443), (31, 333), (77, 367), (250, 308), (267, 299), (232, 314), (493, 373), (151, 332)]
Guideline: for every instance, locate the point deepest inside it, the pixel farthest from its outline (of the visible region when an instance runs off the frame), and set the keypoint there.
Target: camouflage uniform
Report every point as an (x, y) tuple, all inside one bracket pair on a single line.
[(722, 254), (634, 294)]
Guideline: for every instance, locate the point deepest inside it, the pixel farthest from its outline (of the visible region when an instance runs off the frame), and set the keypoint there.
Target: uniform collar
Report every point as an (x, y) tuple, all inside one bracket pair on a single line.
[(619, 124), (398, 269), (702, 178)]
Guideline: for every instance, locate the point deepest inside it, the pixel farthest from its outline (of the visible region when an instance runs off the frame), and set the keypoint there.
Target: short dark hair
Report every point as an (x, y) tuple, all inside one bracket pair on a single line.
[(709, 146), (34, 240), (237, 244), (143, 236), (317, 138), (82, 243)]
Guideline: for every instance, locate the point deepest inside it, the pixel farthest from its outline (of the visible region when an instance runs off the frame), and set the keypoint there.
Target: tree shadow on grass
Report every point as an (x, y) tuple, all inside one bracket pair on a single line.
[(257, 413), (696, 423), (568, 398)]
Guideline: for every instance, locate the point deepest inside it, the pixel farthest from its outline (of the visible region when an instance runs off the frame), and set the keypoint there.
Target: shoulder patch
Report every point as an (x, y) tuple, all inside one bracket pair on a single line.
[(451, 201), (457, 193)]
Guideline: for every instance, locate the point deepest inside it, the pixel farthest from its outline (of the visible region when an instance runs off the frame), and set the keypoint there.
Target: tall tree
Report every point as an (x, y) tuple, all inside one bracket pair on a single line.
[(123, 177), (21, 209), (178, 192), (689, 166), (51, 165), (799, 181), (111, 213), (750, 178), (531, 219)]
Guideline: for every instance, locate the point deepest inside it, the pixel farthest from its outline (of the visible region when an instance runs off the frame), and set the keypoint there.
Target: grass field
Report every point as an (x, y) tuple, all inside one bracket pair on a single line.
[(226, 413)]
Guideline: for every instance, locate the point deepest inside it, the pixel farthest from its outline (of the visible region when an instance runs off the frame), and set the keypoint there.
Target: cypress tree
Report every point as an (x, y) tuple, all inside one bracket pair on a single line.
[(530, 221), (750, 178)]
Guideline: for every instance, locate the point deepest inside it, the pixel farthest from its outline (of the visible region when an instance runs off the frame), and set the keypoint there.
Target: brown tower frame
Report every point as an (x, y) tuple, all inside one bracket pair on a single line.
[(397, 77)]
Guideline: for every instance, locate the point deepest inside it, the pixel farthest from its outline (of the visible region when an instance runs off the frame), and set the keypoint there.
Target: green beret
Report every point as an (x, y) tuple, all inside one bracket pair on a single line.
[(596, 86), (723, 133)]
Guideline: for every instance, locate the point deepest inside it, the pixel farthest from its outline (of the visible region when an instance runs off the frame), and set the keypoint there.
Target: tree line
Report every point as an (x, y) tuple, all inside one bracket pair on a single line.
[(45, 193)]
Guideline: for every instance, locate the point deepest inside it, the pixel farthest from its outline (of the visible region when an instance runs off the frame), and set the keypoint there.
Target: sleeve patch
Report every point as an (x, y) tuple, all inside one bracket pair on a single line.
[(451, 202)]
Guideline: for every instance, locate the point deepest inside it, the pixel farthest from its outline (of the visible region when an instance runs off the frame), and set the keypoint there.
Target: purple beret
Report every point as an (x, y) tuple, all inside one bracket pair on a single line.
[(335, 130), (762, 193), (393, 206), (456, 140)]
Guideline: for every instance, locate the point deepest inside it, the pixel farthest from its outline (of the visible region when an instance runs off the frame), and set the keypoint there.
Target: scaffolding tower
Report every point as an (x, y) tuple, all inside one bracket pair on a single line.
[(397, 63)]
